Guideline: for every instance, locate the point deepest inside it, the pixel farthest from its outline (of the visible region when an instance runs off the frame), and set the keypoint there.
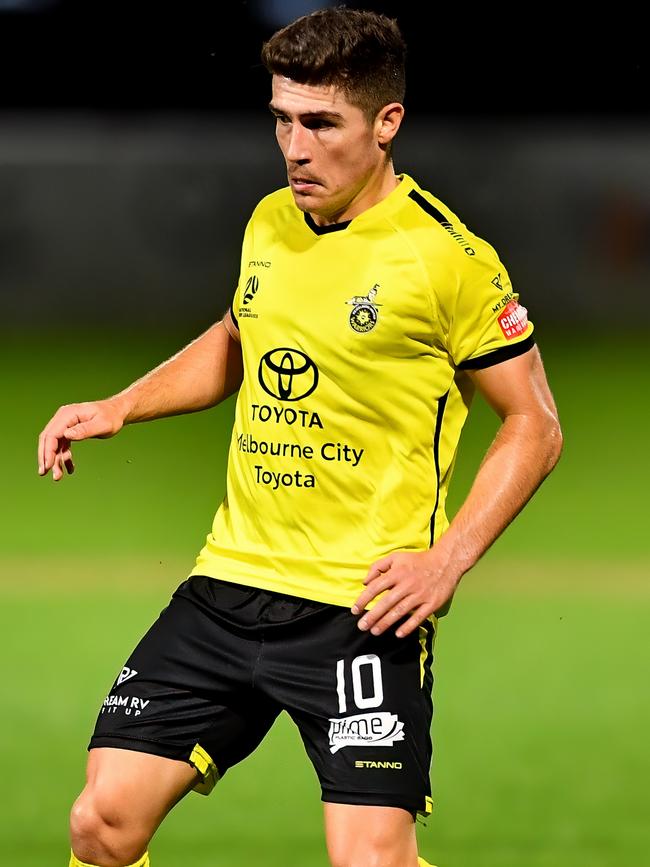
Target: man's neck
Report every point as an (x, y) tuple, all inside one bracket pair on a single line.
[(370, 195)]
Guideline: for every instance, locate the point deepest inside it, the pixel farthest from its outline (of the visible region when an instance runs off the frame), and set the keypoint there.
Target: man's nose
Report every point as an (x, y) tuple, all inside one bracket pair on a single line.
[(298, 147)]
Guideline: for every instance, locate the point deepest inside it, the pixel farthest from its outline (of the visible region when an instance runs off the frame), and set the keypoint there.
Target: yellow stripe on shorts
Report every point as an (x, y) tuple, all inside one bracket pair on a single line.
[(203, 763)]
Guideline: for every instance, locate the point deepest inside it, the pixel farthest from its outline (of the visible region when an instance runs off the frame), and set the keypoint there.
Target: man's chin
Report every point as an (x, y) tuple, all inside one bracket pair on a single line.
[(308, 203), (304, 201)]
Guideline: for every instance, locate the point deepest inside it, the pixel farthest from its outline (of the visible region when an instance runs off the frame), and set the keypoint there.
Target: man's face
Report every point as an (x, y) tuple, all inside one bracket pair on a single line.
[(330, 147)]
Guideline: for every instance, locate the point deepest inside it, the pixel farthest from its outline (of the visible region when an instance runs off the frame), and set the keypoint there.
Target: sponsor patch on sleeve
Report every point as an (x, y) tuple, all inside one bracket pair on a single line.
[(513, 320)]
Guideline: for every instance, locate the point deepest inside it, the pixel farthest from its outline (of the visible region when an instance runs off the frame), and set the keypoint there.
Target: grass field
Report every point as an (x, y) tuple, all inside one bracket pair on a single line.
[(541, 695)]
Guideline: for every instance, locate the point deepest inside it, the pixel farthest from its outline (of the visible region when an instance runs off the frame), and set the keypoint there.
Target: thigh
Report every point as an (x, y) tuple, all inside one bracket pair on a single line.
[(370, 835), (134, 788), (363, 706), (186, 691)]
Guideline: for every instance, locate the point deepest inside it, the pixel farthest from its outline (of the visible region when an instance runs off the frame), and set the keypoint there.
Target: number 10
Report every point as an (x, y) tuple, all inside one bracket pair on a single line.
[(361, 701)]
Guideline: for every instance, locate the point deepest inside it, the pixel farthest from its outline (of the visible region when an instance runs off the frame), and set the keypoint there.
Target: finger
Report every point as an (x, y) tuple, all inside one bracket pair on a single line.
[(48, 444), (82, 430), (398, 611), (50, 448), (66, 460), (57, 469), (418, 617), (370, 617), (61, 457), (371, 592), (54, 431), (62, 463), (41, 453), (382, 607), (378, 568)]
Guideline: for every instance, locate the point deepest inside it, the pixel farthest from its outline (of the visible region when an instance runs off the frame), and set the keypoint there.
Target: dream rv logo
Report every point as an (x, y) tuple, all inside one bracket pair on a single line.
[(287, 374), (125, 674)]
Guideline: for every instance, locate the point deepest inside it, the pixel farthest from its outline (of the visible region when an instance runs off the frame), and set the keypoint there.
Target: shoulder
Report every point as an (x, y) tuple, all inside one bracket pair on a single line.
[(276, 204), (442, 237)]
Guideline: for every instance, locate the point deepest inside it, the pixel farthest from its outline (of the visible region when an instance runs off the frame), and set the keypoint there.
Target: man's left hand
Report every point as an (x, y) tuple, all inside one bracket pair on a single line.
[(414, 582)]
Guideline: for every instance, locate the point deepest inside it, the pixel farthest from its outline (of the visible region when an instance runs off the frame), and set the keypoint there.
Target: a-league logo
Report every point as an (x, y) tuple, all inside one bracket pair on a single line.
[(252, 285)]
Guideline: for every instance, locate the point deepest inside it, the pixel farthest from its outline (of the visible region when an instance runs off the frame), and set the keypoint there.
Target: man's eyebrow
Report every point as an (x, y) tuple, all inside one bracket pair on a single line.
[(309, 115)]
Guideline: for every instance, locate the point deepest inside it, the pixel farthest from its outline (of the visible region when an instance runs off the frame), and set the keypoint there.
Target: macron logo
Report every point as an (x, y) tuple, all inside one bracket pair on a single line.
[(126, 674)]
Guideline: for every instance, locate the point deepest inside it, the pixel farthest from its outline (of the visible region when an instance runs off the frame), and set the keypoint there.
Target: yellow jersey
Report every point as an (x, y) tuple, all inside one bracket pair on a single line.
[(355, 340)]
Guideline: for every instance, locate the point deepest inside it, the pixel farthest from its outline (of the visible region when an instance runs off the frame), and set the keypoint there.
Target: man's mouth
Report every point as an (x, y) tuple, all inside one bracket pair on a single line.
[(300, 182)]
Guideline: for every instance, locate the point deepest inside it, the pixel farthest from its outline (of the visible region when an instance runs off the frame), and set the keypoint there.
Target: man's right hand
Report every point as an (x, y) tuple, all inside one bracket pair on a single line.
[(72, 423)]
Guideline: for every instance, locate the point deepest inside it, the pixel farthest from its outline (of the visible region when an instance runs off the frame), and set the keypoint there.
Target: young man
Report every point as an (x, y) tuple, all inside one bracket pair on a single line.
[(365, 316)]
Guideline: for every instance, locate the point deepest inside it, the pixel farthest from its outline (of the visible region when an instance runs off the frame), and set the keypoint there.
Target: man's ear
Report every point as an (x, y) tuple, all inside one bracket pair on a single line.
[(388, 122)]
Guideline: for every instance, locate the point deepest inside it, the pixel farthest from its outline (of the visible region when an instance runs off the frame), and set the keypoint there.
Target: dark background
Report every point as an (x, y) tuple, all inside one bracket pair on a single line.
[(107, 55), (135, 140)]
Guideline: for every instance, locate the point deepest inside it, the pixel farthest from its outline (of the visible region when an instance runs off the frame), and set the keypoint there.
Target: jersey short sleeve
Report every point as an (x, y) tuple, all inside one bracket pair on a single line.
[(246, 284), (487, 323)]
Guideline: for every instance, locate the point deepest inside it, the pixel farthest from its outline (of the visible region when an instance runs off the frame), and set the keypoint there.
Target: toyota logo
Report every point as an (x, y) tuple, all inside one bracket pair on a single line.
[(287, 374)]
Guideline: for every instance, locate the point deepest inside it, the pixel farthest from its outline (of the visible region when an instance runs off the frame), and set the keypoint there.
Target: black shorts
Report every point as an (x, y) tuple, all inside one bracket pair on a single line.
[(209, 678)]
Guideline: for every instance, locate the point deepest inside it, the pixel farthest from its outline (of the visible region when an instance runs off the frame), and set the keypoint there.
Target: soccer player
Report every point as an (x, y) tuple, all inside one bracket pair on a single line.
[(365, 317)]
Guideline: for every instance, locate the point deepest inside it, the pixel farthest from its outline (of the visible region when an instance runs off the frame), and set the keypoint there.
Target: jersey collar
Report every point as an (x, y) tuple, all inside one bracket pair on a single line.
[(324, 230), (381, 209)]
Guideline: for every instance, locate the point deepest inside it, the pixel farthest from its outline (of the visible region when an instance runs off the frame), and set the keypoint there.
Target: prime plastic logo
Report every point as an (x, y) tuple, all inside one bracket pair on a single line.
[(381, 729)]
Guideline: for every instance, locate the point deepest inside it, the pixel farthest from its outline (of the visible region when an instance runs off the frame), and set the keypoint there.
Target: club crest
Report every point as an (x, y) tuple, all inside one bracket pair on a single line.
[(365, 311)]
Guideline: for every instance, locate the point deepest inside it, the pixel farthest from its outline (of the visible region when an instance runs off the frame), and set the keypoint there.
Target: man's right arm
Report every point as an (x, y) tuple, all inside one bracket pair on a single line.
[(201, 375)]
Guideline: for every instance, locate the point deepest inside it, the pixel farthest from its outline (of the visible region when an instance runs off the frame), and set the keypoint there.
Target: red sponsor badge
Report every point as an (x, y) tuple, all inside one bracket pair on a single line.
[(513, 320)]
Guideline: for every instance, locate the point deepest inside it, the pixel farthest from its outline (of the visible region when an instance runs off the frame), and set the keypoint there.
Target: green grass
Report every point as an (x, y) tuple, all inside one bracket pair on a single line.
[(542, 706)]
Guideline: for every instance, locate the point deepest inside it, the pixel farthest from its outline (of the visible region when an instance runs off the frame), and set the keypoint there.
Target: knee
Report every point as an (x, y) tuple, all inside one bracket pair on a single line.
[(366, 858), (101, 833), (371, 853)]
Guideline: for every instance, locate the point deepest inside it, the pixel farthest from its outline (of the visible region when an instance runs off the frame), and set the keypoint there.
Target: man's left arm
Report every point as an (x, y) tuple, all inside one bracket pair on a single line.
[(525, 450)]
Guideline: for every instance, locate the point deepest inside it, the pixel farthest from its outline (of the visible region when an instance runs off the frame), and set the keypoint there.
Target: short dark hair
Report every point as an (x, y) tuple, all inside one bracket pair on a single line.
[(362, 53)]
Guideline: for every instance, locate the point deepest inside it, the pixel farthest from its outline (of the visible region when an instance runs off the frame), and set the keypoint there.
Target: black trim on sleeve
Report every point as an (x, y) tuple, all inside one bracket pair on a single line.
[(442, 403), (503, 353), (234, 318)]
